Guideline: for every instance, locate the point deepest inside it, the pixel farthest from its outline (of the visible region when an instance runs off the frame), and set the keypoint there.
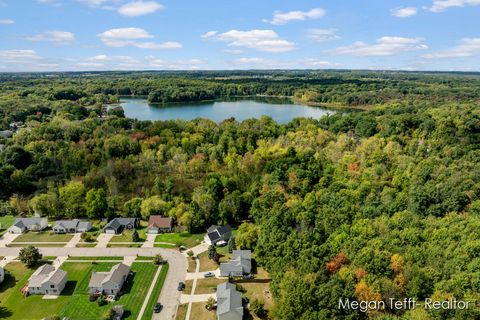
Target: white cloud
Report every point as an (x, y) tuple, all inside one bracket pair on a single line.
[(323, 35), (139, 8), (57, 37), (261, 40), (6, 21), (122, 37), (467, 47), (280, 18), (208, 34), (100, 57), (404, 12), (442, 5), (385, 46), (18, 54), (261, 63)]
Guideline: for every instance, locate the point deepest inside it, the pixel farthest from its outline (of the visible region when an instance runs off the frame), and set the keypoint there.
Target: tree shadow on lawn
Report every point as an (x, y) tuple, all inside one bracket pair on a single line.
[(5, 313), (9, 282), (69, 288)]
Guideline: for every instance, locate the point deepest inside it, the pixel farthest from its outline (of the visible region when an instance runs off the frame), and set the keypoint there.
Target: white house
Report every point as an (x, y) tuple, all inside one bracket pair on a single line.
[(31, 224), (47, 280), (217, 233)]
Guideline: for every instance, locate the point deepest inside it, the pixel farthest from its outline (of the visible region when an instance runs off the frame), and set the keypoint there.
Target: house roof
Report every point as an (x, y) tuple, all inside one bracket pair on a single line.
[(67, 224), (216, 232), (115, 223), (44, 274), (229, 301), (241, 262), (159, 222), (116, 274), (27, 222)]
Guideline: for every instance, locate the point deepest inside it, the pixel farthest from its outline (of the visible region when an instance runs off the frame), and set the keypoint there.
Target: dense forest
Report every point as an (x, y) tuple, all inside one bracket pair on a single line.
[(374, 204)]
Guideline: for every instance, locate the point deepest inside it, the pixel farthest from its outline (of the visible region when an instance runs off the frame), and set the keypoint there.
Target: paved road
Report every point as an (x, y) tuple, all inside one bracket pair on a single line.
[(169, 296)]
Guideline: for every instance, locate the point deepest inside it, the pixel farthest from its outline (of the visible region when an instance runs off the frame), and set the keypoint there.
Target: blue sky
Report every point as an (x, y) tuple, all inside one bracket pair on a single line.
[(77, 35)]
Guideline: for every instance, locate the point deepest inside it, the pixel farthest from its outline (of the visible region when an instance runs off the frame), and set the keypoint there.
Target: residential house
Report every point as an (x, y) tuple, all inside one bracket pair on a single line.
[(117, 225), (216, 234), (158, 224), (71, 226), (110, 282), (31, 224), (6, 134), (2, 274), (118, 312), (229, 302), (239, 265), (47, 280)]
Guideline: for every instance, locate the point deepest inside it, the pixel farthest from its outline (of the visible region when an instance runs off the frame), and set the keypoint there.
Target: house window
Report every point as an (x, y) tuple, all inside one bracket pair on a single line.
[(52, 286)]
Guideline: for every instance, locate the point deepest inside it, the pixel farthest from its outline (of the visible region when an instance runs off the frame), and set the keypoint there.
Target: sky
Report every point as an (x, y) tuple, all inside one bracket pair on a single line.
[(89, 35)]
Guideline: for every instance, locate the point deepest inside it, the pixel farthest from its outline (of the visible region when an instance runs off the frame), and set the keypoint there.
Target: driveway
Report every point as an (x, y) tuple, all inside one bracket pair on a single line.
[(198, 249), (7, 238), (73, 242), (103, 239), (192, 298), (169, 296), (150, 242)]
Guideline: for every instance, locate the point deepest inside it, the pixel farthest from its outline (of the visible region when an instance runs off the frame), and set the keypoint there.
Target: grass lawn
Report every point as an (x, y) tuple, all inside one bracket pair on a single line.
[(37, 244), (181, 239), (206, 264), (124, 245), (95, 258), (207, 285), (191, 265), (201, 313), (156, 292), (143, 258), (126, 236), (259, 289), (6, 222), (164, 245), (181, 312), (43, 236), (32, 307), (188, 287), (79, 307), (86, 245)]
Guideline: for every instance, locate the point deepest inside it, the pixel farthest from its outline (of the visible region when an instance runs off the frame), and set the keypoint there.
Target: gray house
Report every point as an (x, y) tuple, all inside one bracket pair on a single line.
[(241, 264), (31, 224), (2, 274), (117, 225), (47, 280), (110, 282), (71, 226), (229, 302), (216, 234)]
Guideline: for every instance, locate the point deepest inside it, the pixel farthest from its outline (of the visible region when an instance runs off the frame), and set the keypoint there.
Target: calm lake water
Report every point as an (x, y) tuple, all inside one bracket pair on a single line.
[(281, 110)]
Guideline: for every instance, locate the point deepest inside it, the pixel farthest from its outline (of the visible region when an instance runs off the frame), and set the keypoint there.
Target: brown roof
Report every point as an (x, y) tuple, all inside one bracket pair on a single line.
[(159, 222)]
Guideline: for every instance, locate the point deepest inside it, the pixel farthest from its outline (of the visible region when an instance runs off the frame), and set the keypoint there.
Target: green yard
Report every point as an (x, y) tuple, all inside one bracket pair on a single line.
[(5, 223), (79, 307), (181, 239), (74, 302), (17, 307), (43, 236)]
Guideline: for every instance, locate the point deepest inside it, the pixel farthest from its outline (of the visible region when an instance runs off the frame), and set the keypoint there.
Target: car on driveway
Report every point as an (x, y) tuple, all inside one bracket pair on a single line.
[(209, 275), (181, 286), (158, 307)]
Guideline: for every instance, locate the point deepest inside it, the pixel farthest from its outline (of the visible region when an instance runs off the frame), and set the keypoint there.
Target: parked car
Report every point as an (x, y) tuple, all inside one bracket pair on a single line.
[(158, 307), (221, 243), (209, 275), (181, 286)]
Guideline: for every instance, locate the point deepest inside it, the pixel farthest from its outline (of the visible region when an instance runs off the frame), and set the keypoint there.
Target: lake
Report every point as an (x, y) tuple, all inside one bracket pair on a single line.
[(281, 110)]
